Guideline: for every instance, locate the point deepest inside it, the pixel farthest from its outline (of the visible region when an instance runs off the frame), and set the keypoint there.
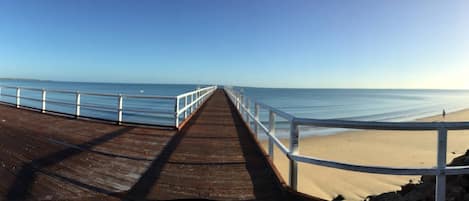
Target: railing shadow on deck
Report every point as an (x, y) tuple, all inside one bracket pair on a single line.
[(148, 179), (249, 146), (440, 171), (143, 187), (21, 187)]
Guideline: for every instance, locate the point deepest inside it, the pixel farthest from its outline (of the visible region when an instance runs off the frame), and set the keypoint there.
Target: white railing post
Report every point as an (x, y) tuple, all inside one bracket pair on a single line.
[(294, 134), (237, 101), (77, 111), (119, 109), (192, 100), (440, 188), (176, 111), (293, 151), (185, 104), (18, 100), (240, 101), (197, 99), (248, 110), (272, 132), (197, 95), (43, 101), (256, 115), (241, 104)]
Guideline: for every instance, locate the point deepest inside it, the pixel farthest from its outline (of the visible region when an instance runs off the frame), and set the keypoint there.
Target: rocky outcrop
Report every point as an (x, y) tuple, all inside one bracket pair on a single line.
[(457, 188)]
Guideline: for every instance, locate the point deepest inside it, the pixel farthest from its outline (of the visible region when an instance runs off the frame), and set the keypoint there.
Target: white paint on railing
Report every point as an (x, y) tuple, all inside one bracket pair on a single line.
[(280, 113), (120, 102), (201, 95), (292, 152), (256, 116), (440, 188), (176, 109), (185, 103), (272, 132), (77, 104), (402, 126), (248, 110), (294, 137), (18, 100), (362, 168), (43, 101), (192, 106)]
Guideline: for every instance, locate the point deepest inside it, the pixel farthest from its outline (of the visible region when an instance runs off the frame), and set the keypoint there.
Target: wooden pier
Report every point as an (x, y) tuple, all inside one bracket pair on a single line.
[(213, 157)]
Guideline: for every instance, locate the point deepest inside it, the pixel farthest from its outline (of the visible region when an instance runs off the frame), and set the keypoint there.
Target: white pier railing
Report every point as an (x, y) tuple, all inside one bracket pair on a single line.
[(178, 108), (191, 101), (440, 171)]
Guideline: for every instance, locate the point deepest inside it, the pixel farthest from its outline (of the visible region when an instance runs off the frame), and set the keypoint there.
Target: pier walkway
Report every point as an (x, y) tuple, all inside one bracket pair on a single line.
[(214, 157)]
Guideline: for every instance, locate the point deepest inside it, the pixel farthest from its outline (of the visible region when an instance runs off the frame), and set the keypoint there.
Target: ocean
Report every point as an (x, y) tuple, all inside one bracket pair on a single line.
[(136, 110), (388, 105), (348, 104)]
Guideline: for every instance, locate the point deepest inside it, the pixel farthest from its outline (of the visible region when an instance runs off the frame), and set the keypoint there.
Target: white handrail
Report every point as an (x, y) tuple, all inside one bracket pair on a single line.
[(90, 93), (190, 107), (201, 95), (402, 126), (242, 104)]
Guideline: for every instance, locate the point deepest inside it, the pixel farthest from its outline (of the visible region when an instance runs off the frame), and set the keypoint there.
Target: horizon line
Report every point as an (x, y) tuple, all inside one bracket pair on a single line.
[(242, 86)]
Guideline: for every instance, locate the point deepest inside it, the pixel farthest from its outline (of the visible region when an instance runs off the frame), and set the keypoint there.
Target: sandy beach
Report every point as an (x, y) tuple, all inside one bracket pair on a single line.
[(369, 147)]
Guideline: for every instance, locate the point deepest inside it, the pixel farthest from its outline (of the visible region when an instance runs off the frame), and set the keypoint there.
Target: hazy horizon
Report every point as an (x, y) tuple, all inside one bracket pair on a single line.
[(169, 83)]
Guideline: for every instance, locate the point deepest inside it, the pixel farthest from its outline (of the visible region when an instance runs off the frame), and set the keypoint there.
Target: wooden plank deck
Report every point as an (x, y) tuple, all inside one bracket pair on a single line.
[(46, 157), (214, 157)]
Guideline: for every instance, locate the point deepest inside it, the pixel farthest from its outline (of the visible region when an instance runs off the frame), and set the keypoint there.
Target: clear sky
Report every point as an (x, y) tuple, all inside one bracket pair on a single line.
[(324, 43)]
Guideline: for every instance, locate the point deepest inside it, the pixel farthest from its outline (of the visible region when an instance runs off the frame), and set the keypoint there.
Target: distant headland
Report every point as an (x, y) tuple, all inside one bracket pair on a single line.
[(22, 79)]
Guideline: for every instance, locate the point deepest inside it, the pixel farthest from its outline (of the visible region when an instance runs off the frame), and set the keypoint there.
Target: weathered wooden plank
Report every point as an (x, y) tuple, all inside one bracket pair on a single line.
[(213, 157)]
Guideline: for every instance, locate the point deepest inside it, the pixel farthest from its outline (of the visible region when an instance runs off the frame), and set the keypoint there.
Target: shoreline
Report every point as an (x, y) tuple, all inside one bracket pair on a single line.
[(370, 147), (283, 133)]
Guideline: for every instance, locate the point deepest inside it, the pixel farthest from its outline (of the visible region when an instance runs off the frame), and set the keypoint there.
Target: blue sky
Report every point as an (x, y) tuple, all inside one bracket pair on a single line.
[(334, 43)]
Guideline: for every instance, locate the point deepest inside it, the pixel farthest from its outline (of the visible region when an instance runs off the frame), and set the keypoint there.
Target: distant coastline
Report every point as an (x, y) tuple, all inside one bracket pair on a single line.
[(103, 82), (23, 79)]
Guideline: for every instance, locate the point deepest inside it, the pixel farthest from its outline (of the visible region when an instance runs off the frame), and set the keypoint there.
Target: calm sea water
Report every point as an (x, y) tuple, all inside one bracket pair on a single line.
[(137, 110), (357, 104), (350, 104)]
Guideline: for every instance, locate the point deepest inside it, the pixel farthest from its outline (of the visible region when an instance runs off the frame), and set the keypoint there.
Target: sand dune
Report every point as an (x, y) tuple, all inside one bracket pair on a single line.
[(369, 147)]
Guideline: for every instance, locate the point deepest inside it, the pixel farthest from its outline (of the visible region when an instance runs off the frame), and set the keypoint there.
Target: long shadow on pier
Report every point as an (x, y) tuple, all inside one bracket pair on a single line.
[(261, 181), (148, 179), (25, 178), (215, 156), (266, 184)]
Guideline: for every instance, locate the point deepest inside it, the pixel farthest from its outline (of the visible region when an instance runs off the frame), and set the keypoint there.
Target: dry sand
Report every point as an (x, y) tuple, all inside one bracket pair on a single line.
[(369, 147)]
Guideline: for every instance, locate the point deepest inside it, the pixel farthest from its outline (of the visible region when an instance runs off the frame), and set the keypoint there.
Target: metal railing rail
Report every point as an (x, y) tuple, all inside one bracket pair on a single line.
[(440, 171), (197, 97)]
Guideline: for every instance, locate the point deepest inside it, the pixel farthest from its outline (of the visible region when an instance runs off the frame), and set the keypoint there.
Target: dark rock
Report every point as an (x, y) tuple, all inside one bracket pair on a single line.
[(466, 159), (339, 198), (457, 187), (407, 188), (466, 197)]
